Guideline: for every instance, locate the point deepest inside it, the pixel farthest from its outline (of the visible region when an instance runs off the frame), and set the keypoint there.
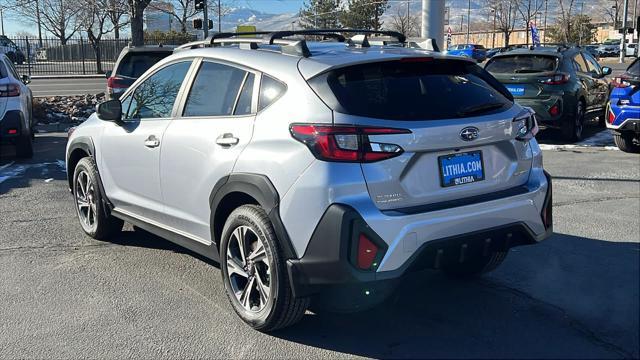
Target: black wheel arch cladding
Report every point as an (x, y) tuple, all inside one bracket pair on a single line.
[(259, 188)]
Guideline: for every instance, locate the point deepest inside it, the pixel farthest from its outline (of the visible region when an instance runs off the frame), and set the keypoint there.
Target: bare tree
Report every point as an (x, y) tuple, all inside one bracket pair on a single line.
[(528, 10), (611, 11), (505, 13), (118, 10), (565, 21), (59, 17), (181, 10), (136, 18), (404, 23), (219, 9), (96, 22)]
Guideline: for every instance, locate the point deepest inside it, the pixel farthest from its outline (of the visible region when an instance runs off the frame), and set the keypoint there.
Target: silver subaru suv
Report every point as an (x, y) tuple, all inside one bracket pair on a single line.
[(317, 174)]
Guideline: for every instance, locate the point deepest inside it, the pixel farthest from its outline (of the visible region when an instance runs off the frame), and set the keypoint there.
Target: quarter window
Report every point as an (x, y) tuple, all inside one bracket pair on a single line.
[(155, 96), (215, 90), (270, 90), (580, 64)]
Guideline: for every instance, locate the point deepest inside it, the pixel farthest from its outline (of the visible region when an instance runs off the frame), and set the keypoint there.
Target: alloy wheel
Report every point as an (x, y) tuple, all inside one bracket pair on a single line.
[(248, 269), (86, 199)]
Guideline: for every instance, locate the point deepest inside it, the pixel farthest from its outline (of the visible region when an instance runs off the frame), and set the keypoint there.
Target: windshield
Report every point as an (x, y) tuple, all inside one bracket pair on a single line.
[(517, 64), (634, 68), (135, 64), (412, 90)]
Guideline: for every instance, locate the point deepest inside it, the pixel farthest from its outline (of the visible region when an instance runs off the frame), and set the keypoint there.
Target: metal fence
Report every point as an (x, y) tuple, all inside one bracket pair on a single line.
[(77, 56)]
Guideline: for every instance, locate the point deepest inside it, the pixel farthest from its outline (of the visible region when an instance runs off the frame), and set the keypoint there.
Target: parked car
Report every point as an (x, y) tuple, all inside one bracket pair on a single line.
[(476, 52), (16, 119), (564, 85), (131, 63), (624, 109), (315, 172), (11, 50), (609, 48), (632, 49)]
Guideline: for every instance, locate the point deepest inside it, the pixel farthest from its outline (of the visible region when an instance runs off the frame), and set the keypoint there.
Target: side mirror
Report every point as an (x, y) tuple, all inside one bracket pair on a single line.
[(606, 70), (110, 110), (26, 79), (107, 74)]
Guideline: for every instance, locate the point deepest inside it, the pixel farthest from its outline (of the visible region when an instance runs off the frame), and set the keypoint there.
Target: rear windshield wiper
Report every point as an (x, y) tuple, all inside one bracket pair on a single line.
[(478, 109)]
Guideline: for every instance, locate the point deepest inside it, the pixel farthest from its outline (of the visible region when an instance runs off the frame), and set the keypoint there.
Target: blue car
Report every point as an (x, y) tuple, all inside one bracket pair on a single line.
[(623, 114), (477, 52)]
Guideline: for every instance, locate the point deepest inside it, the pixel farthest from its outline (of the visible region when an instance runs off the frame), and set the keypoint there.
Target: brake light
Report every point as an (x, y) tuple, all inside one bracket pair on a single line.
[(367, 252), (9, 90), (115, 82), (620, 82), (526, 124), (555, 79), (416, 59), (346, 143)]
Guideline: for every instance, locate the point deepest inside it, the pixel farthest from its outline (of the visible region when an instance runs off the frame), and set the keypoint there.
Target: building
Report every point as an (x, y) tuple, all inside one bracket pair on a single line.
[(155, 19)]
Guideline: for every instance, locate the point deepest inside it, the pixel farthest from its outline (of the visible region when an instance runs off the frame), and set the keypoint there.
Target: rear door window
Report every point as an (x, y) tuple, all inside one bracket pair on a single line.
[(134, 64), (412, 90), (517, 64), (592, 64), (580, 64)]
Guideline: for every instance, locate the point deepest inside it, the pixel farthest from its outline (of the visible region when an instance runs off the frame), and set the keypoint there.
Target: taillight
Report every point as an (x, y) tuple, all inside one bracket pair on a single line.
[(526, 124), (115, 82), (620, 82), (9, 90), (555, 79), (346, 143)]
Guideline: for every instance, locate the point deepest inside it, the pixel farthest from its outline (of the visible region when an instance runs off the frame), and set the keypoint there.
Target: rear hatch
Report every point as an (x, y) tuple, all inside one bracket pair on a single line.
[(525, 75), (132, 65), (461, 134)]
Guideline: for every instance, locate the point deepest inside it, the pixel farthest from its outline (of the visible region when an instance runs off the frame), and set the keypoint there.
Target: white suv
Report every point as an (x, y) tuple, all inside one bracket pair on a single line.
[(16, 120), (316, 174)]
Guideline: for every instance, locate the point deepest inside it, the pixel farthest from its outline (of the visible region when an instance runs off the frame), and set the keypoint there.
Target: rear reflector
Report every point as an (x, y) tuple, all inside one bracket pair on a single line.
[(367, 252), (346, 143), (554, 110), (12, 131), (612, 117)]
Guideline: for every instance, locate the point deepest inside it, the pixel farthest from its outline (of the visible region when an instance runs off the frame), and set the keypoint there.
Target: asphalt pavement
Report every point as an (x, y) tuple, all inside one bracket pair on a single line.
[(63, 86), (64, 295)]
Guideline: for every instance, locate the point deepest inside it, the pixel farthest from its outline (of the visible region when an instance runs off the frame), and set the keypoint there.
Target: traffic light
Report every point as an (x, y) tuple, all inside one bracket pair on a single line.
[(199, 4), (197, 24)]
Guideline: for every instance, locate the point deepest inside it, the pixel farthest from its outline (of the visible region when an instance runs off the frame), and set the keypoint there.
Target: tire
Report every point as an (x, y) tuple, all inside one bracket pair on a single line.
[(477, 266), (89, 205), (258, 288), (572, 129), (24, 146), (625, 143)]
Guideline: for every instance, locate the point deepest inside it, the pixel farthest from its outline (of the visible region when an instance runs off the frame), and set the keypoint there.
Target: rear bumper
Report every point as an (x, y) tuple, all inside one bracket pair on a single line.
[(627, 118), (429, 240), (541, 108), (11, 126)]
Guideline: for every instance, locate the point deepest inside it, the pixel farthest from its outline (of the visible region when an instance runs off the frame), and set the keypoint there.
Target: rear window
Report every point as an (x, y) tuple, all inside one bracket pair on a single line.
[(135, 64), (479, 47), (518, 64), (400, 90), (634, 68)]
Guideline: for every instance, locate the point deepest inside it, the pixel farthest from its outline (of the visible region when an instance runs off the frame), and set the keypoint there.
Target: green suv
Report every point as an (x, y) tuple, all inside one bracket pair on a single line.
[(565, 86)]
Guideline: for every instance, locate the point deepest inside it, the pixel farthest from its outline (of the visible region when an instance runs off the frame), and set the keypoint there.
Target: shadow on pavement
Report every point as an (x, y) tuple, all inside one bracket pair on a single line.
[(434, 316), (47, 163)]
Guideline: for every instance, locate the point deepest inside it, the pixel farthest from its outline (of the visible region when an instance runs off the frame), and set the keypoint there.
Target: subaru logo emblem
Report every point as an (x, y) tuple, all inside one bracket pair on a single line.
[(469, 133)]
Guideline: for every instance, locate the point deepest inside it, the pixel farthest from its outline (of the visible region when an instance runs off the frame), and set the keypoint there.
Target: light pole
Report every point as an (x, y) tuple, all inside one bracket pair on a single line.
[(544, 35), (580, 24), (433, 20), (623, 43)]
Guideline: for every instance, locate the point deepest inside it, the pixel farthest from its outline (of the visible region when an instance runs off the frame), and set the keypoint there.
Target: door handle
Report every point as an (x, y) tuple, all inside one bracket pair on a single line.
[(152, 142), (227, 140)]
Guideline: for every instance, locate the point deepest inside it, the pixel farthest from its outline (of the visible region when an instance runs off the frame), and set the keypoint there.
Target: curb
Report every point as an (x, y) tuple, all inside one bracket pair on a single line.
[(49, 77)]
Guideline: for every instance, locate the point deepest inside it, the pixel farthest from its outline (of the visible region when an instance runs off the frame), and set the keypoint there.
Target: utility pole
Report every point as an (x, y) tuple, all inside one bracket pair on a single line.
[(581, 24), (205, 20), (39, 23), (623, 43), (2, 19), (461, 23), (469, 23), (219, 17), (544, 35), (433, 21)]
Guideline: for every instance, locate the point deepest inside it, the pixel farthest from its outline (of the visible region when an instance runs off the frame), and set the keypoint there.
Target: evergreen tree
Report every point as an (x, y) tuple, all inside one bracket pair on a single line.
[(320, 14), (364, 14)]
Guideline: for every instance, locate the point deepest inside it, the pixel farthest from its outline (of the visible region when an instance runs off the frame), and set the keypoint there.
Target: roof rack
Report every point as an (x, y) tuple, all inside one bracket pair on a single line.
[(296, 47)]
